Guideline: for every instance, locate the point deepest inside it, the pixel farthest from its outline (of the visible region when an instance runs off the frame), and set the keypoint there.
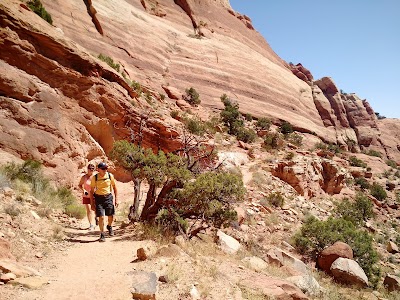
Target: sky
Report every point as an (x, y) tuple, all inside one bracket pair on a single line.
[(355, 42)]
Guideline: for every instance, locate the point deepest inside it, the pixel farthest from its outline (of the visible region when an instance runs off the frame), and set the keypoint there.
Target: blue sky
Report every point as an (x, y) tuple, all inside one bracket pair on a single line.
[(356, 42)]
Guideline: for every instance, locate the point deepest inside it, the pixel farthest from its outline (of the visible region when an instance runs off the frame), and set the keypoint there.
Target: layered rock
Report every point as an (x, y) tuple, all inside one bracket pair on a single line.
[(311, 176), (59, 104)]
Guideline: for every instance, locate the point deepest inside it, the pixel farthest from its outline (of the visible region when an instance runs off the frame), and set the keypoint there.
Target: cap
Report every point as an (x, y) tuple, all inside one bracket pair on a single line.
[(102, 166)]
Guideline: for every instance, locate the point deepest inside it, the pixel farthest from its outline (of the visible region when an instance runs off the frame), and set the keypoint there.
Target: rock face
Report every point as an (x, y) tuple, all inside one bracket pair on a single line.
[(392, 282), (61, 105), (308, 176)]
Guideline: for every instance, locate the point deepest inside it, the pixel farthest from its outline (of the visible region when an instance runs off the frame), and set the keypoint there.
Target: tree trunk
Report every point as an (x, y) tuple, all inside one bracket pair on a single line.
[(150, 199), (134, 209)]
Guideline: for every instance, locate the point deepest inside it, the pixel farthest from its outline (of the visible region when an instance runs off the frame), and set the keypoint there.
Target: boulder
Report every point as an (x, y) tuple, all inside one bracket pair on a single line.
[(5, 249), (281, 258), (8, 266), (272, 287), (255, 263), (307, 283), (144, 285), (7, 277), (348, 271), (227, 243), (331, 253), (392, 282), (170, 250), (392, 247), (31, 282)]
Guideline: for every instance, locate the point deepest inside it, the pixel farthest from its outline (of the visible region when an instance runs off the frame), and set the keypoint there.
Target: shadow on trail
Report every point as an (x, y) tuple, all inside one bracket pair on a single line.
[(82, 237)]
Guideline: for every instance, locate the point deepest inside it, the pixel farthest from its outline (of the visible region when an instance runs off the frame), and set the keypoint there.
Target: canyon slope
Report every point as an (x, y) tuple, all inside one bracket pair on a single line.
[(63, 106)]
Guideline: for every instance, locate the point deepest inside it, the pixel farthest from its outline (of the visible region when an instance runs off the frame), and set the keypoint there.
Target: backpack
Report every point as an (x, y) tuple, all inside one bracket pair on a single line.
[(109, 177)]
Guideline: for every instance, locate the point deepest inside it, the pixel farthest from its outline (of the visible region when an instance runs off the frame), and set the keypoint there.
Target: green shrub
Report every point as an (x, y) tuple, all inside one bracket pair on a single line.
[(290, 156), (192, 97), (330, 147), (374, 153), (231, 116), (162, 96), (248, 117), (286, 128), (75, 210), (109, 61), (391, 163), (378, 191), (195, 126), (316, 235), (276, 199), (362, 183), (356, 212), (272, 141), (263, 123), (37, 7), (356, 162), (246, 135), (294, 138), (174, 114), (137, 87), (12, 210)]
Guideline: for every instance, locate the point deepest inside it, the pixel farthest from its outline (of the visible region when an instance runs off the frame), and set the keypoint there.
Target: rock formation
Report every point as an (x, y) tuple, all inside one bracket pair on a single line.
[(63, 106)]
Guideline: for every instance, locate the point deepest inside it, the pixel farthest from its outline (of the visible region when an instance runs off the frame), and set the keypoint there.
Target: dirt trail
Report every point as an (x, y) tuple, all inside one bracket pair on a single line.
[(88, 269)]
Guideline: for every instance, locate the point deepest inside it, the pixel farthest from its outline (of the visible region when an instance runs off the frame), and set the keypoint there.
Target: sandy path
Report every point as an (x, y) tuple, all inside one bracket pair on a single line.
[(87, 270)]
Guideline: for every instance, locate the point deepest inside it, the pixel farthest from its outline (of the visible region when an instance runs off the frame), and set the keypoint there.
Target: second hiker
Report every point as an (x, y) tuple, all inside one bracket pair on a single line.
[(102, 187)]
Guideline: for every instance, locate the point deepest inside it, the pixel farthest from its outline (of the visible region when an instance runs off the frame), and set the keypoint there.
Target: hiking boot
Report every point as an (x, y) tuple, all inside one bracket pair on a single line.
[(102, 237), (91, 227), (110, 230)]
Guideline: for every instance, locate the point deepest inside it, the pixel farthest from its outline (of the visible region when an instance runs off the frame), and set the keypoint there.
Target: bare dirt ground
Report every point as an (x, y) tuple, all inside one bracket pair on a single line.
[(86, 270)]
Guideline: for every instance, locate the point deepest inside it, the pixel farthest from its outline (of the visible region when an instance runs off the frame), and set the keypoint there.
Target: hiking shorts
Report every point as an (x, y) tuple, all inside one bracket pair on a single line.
[(104, 205), (85, 200)]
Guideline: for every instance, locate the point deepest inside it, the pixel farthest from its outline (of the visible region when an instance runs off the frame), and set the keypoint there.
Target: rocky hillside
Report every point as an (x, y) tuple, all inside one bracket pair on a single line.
[(60, 104)]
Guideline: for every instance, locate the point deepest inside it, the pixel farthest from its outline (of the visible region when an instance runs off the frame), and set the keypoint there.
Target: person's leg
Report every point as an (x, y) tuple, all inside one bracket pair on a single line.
[(101, 223), (89, 214), (100, 212), (109, 211)]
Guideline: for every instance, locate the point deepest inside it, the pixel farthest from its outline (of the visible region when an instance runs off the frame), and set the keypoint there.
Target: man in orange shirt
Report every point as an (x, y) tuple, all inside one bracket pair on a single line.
[(101, 197)]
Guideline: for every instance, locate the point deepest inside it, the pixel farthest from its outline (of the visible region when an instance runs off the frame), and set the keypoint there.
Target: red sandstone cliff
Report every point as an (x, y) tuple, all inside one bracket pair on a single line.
[(60, 104)]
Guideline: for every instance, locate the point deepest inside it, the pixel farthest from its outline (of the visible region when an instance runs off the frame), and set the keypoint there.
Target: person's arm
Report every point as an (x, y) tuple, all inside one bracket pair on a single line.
[(80, 185), (114, 186), (91, 194), (115, 195)]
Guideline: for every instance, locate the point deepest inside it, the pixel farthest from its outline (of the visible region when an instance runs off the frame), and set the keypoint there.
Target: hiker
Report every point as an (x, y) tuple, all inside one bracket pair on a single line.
[(84, 185), (102, 186)]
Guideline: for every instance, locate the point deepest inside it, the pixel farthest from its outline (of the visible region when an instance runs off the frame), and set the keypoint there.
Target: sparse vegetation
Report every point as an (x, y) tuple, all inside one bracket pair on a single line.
[(192, 97), (378, 191), (195, 126), (374, 153), (356, 162), (30, 178), (294, 138), (263, 123), (276, 199), (246, 135), (357, 212), (37, 7), (109, 61), (286, 128), (174, 114), (329, 147), (362, 183), (273, 141), (378, 115), (137, 87), (315, 235), (391, 163), (231, 116)]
